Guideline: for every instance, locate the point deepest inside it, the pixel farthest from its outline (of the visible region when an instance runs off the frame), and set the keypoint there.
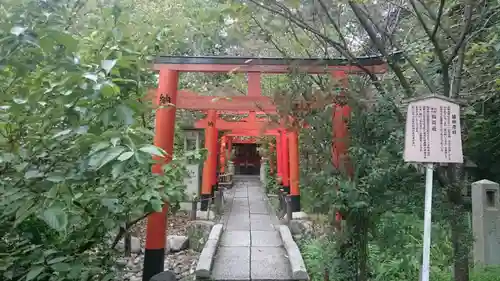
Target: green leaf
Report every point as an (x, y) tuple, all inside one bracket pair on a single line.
[(156, 205), (34, 272), (146, 131), (57, 260), (126, 155), (56, 218), (90, 76), (153, 150), (54, 190), (118, 169), (108, 277), (125, 114), (61, 267), (115, 141), (106, 117), (25, 211), (33, 174), (17, 30), (142, 158), (99, 146), (112, 204), (55, 177), (66, 39), (97, 158), (62, 133), (111, 154), (107, 65), (110, 90)]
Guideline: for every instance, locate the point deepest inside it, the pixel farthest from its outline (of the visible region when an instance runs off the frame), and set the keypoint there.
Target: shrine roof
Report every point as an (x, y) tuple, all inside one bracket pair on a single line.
[(364, 60), (374, 64)]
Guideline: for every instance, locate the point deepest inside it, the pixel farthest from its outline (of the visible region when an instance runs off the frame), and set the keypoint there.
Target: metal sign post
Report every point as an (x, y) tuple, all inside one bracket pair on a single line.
[(427, 222), (432, 135)]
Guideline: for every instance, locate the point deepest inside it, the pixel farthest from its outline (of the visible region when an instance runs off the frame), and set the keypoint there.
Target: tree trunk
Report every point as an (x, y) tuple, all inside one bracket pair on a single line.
[(127, 241), (353, 250)]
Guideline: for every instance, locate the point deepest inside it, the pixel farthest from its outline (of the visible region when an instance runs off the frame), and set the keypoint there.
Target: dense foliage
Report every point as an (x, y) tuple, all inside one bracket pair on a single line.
[(75, 138), (447, 48)]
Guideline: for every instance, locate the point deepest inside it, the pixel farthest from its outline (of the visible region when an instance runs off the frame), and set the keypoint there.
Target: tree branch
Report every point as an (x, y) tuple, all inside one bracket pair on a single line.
[(337, 46), (457, 78), (362, 17), (465, 30), (438, 19), (430, 14), (437, 50), (410, 59), (333, 23), (123, 230)]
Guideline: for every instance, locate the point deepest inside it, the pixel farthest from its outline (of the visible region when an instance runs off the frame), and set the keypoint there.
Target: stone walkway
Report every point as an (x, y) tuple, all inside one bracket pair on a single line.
[(250, 246)]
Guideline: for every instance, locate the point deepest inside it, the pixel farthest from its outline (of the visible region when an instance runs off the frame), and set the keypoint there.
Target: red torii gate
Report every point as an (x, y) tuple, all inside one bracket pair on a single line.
[(251, 126), (169, 68)]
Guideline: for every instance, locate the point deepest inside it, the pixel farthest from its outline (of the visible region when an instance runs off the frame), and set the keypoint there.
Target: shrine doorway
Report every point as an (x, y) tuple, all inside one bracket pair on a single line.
[(246, 159)]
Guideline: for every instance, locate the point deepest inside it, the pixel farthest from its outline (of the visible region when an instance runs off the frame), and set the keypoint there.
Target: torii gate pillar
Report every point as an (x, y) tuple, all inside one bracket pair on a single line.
[(341, 134), (285, 165), (279, 160), (154, 254), (209, 167), (293, 144)]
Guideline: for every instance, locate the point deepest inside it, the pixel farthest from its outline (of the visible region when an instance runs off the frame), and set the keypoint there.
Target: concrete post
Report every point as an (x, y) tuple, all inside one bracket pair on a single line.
[(263, 166), (486, 222), (198, 141), (230, 167)]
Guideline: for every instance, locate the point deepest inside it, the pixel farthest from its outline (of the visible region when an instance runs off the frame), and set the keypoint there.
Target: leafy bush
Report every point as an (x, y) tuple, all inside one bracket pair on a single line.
[(75, 152)]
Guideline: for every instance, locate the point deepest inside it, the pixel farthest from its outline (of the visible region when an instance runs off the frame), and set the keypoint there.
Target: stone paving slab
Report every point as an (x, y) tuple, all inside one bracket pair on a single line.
[(265, 238), (250, 247), (261, 222), (256, 200), (235, 238), (242, 193), (240, 212), (238, 224), (239, 202), (258, 211), (259, 208), (269, 263), (232, 263)]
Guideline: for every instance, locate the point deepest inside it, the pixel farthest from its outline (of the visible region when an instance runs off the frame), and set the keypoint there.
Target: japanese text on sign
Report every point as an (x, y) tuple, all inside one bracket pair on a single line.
[(433, 132), (165, 99)]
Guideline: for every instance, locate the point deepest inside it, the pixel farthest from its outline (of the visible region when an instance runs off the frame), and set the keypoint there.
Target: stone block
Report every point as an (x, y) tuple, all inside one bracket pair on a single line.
[(299, 271), (486, 222), (300, 227), (207, 255), (205, 215), (176, 243), (164, 276), (198, 233), (192, 181), (135, 245)]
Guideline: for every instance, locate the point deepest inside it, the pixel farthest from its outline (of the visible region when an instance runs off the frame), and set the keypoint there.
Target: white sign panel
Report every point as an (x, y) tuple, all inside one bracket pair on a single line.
[(433, 132)]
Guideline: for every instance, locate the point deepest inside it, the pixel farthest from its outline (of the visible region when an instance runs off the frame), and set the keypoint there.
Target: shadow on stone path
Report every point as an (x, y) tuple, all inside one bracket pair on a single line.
[(250, 247)]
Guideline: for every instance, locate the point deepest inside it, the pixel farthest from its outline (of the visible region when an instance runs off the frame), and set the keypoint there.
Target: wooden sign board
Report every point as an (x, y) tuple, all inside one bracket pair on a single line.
[(433, 132)]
